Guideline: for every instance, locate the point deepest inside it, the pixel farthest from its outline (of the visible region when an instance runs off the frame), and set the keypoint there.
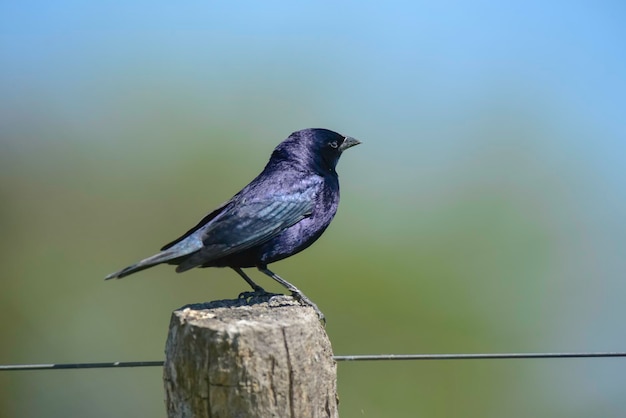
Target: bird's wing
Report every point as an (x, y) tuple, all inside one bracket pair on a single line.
[(208, 218), (246, 222)]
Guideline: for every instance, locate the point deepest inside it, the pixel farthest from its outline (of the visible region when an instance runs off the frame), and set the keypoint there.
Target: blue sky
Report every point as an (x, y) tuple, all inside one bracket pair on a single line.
[(571, 51)]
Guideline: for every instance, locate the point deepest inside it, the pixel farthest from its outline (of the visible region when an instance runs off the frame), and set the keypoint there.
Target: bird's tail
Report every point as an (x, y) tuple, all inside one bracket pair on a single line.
[(162, 257)]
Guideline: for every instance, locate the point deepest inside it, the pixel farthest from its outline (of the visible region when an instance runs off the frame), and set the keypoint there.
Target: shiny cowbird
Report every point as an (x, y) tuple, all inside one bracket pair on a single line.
[(280, 213)]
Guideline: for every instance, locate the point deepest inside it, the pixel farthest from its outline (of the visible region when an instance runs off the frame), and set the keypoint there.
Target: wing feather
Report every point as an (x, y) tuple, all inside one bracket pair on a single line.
[(248, 223)]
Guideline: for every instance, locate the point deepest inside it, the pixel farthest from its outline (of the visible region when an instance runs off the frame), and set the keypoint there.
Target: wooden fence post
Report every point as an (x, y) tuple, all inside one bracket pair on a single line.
[(230, 359)]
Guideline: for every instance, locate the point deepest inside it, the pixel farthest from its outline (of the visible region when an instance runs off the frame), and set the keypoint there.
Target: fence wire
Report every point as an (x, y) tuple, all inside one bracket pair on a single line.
[(359, 357)]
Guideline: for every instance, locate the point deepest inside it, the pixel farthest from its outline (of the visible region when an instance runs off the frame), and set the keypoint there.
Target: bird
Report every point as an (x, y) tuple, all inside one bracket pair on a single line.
[(281, 212)]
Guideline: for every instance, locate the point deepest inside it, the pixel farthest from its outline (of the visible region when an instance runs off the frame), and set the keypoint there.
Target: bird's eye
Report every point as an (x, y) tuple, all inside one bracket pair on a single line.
[(333, 144)]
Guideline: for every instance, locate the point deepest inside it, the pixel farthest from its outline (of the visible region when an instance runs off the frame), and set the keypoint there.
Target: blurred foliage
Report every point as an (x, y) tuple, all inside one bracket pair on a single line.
[(468, 266)]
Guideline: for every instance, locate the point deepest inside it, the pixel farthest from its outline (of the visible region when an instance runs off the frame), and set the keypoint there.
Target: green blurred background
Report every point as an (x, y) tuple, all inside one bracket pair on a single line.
[(484, 211)]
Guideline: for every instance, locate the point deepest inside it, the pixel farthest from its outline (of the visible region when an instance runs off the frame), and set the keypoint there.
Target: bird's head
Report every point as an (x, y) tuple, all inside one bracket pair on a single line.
[(316, 148)]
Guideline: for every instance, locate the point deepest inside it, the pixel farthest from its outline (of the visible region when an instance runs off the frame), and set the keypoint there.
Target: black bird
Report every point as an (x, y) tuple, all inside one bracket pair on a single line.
[(280, 213)]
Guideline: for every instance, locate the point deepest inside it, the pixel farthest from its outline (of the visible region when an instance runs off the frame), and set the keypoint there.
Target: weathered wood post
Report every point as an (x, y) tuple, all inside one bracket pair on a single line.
[(230, 359)]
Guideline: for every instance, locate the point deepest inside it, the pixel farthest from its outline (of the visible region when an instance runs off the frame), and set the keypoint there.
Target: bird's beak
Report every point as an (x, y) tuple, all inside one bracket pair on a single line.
[(348, 142)]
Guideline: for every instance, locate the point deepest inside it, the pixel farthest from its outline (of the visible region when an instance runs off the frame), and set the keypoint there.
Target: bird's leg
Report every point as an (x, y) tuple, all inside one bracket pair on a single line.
[(253, 285), (295, 292), (258, 290)]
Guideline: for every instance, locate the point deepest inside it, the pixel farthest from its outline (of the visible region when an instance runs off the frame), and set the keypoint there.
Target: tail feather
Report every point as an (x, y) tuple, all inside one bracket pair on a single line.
[(159, 258)]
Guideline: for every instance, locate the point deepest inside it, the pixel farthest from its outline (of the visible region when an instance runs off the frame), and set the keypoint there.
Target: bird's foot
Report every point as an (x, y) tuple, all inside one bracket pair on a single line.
[(258, 295), (300, 297)]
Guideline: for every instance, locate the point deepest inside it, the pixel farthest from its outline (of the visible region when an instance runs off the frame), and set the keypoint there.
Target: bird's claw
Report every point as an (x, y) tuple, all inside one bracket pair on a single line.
[(258, 295), (308, 302), (246, 295)]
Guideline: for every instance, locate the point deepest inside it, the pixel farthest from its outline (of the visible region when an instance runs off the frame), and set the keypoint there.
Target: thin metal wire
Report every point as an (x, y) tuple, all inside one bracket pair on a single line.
[(366, 357), (62, 366), (480, 356)]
